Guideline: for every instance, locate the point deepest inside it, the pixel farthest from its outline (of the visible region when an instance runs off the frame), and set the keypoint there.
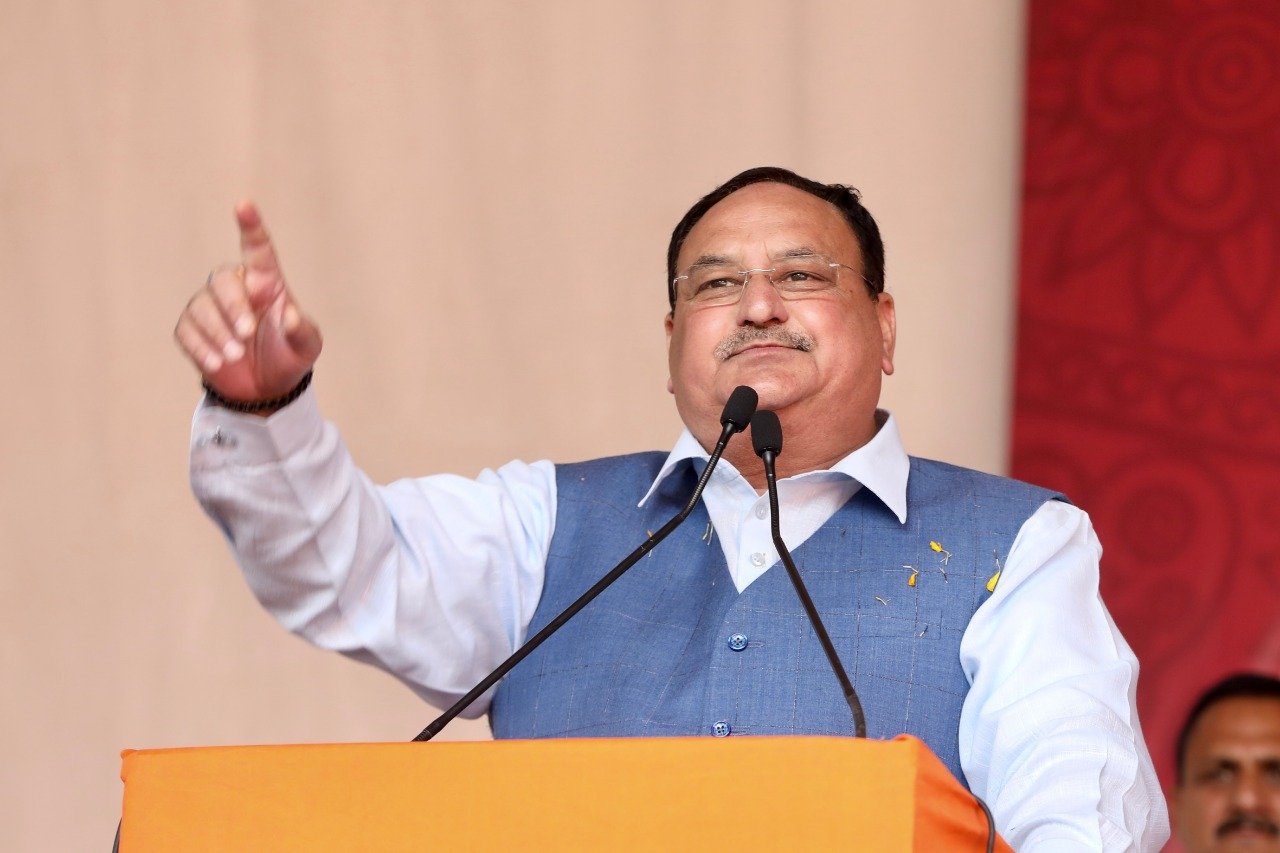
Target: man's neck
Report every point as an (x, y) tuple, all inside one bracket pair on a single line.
[(808, 446)]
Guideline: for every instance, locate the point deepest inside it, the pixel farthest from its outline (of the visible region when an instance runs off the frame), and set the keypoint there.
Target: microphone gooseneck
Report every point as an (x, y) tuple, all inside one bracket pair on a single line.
[(766, 438), (734, 419)]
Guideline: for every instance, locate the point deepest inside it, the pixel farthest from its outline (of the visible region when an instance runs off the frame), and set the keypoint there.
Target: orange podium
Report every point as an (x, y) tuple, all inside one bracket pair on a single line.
[(694, 793)]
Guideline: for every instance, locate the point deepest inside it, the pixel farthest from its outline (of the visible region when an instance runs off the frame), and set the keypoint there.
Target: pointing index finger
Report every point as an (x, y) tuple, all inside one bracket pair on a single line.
[(256, 249)]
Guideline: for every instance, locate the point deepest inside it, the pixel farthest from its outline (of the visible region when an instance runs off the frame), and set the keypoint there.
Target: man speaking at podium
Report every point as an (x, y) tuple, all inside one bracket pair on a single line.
[(965, 606)]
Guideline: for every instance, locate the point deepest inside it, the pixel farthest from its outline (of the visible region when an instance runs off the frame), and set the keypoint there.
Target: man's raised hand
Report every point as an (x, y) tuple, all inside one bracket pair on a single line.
[(243, 329)]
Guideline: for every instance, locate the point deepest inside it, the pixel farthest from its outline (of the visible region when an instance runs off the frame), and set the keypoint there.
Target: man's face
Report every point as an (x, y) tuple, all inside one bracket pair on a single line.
[(1229, 798), (821, 355)]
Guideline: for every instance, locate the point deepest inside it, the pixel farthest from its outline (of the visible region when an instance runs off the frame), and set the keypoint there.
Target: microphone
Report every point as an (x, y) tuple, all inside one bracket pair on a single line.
[(766, 437), (734, 419)]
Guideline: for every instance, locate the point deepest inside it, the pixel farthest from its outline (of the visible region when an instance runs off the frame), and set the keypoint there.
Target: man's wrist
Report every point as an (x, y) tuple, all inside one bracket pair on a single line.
[(262, 408)]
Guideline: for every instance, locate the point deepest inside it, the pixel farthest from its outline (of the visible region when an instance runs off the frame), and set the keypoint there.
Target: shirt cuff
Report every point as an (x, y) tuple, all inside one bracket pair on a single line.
[(221, 437)]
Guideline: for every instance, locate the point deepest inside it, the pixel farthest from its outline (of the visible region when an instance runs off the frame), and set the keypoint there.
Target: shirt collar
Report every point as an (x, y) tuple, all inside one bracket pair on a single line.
[(881, 465)]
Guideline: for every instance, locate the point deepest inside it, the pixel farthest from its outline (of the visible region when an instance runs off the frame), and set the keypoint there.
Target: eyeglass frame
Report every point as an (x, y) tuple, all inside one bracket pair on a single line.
[(747, 273)]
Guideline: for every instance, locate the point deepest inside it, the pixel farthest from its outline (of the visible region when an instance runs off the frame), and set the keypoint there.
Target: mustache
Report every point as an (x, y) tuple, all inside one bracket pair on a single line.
[(1247, 821), (747, 335)]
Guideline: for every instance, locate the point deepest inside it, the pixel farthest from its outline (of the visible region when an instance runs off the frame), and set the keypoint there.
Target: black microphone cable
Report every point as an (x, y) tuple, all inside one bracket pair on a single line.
[(766, 437)]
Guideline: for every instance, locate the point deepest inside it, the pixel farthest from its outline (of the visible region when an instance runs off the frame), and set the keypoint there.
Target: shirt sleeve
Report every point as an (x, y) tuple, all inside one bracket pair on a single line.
[(1049, 733), (434, 579)]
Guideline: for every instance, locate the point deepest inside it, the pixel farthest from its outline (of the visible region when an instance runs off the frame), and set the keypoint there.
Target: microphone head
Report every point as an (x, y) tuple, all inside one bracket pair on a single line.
[(766, 432), (741, 405)]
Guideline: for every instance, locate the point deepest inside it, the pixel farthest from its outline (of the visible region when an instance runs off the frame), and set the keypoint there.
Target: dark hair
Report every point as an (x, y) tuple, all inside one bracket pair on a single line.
[(1247, 685), (846, 199)]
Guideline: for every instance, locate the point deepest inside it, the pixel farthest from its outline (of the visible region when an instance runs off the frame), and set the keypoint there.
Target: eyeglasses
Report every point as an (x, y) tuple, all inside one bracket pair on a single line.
[(793, 277)]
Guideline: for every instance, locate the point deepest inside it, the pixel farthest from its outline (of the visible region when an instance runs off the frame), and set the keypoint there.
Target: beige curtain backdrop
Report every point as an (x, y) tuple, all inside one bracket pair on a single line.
[(474, 200)]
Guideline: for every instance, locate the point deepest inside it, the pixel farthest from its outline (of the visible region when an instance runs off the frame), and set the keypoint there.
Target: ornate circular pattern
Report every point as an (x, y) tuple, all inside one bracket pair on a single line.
[(1170, 541), (1201, 184), (1228, 73), (1123, 78)]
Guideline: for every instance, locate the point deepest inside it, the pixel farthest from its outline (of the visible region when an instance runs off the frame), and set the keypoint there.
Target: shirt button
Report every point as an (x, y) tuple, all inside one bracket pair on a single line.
[(762, 511), (738, 642), (757, 559), (721, 729), (218, 438)]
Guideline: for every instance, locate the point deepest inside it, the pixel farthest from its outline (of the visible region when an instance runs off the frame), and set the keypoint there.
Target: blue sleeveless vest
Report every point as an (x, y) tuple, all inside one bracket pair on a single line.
[(672, 648)]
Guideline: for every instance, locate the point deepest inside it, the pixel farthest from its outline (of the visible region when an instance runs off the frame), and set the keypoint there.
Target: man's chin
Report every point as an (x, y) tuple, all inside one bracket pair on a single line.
[(777, 386), (775, 393)]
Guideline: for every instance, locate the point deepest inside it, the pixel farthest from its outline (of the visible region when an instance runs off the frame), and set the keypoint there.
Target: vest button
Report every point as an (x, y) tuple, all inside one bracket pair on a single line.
[(738, 642), (721, 729)]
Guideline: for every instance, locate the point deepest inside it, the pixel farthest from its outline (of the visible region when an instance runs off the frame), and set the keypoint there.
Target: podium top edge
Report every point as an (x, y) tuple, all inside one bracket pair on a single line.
[(764, 742)]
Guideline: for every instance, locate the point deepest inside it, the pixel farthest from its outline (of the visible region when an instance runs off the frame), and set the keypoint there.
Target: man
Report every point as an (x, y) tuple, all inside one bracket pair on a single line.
[(964, 605), (1228, 793)]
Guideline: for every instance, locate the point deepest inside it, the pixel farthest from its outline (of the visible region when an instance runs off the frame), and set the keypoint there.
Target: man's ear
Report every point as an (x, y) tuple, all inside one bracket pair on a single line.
[(668, 324), (888, 318)]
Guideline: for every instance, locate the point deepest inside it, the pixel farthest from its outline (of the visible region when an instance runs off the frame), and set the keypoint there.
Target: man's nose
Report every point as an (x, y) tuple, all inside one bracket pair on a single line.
[(761, 304), (1247, 793)]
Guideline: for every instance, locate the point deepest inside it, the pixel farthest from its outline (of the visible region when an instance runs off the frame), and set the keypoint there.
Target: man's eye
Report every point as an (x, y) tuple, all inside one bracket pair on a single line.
[(1218, 776), (717, 283), (805, 280)]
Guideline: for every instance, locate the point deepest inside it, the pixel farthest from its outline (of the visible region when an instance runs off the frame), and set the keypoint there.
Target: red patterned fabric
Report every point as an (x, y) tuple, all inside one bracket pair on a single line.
[(1148, 359)]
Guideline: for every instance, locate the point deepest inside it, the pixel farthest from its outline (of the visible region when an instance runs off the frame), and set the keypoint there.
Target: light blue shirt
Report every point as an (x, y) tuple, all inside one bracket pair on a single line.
[(435, 580)]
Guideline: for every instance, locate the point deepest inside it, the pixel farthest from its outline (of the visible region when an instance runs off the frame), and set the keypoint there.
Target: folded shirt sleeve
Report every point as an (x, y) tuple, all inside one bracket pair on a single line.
[(434, 579)]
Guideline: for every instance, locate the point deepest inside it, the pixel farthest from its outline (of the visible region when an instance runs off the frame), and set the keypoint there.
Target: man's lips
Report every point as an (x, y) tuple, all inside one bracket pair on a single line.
[(762, 346)]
